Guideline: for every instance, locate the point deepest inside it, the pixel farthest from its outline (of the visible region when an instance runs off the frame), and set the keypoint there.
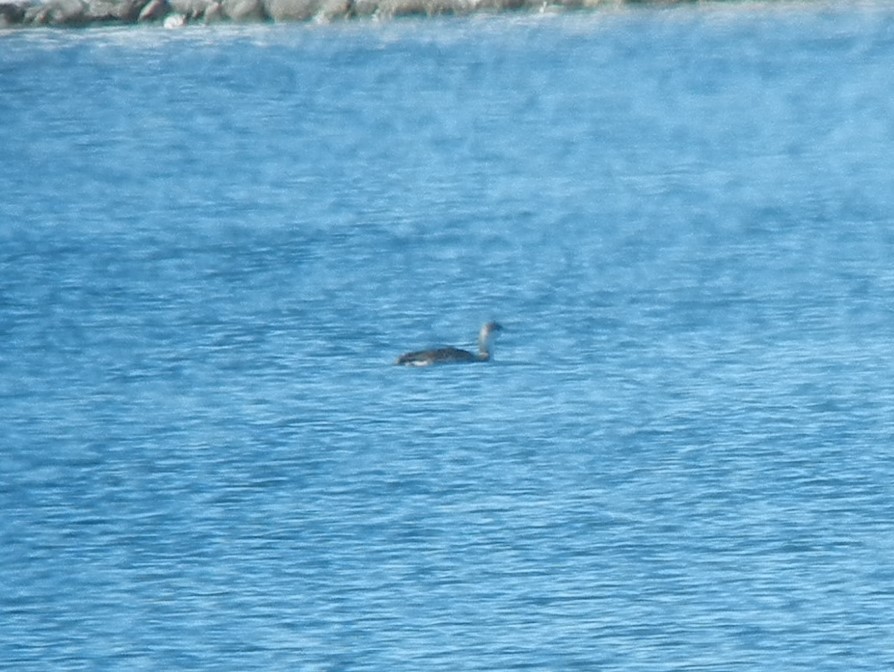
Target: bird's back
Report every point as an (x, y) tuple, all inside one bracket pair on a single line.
[(438, 356)]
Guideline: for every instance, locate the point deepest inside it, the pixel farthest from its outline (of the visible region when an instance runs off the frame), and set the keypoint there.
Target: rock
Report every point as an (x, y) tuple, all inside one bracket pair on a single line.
[(214, 13), (331, 10), (174, 13), (436, 7), (244, 10), (153, 10), (501, 5), (364, 8), (396, 8), (57, 13), (190, 9), (392, 8), (11, 15), (291, 10), (83, 12), (125, 11), (305, 10)]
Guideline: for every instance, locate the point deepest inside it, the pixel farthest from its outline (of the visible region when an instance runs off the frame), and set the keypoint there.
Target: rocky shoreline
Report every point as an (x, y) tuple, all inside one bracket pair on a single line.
[(175, 13)]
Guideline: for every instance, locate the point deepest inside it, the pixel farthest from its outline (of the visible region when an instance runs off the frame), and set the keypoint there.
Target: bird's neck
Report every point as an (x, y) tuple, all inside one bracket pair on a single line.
[(484, 344)]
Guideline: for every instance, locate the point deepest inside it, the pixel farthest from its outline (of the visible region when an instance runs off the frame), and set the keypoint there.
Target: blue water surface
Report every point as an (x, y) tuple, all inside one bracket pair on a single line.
[(215, 241)]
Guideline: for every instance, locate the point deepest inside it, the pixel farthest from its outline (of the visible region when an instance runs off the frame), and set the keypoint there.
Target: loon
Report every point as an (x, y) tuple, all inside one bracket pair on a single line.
[(455, 355)]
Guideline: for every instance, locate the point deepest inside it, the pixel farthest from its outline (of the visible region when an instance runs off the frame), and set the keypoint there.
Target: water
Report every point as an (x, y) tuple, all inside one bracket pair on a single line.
[(215, 241)]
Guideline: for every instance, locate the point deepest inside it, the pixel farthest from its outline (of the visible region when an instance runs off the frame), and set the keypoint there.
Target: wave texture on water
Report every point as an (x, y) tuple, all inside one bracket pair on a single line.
[(214, 243)]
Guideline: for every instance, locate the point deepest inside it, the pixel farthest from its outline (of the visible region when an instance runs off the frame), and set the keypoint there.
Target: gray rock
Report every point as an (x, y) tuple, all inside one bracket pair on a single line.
[(125, 11), (57, 13), (450, 7), (244, 10), (291, 10), (190, 9), (396, 8), (305, 10), (393, 8), (10, 14), (364, 8), (214, 13), (331, 10), (502, 5), (153, 10)]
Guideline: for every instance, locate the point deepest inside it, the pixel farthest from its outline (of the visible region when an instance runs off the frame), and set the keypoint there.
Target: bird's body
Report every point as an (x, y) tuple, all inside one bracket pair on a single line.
[(439, 356), (455, 355)]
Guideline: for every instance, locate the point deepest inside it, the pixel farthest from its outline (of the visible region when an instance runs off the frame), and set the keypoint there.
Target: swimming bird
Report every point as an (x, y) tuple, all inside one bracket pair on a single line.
[(455, 355)]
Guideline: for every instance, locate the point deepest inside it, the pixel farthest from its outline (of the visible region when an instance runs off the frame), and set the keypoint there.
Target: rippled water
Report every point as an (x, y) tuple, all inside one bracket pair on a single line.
[(214, 242)]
